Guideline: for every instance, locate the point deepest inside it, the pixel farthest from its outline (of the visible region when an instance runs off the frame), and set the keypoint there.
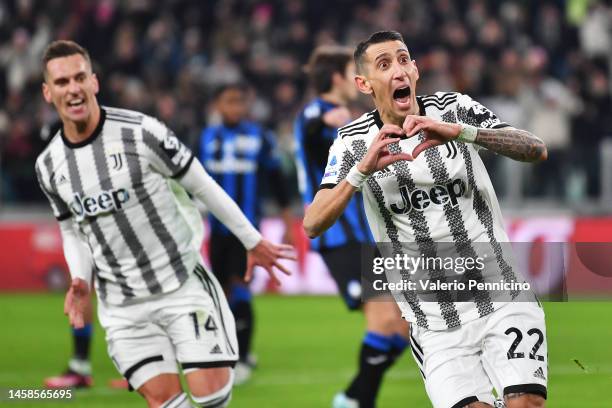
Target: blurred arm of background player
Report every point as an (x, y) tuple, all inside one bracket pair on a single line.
[(270, 160), (286, 215), (335, 200), (337, 117)]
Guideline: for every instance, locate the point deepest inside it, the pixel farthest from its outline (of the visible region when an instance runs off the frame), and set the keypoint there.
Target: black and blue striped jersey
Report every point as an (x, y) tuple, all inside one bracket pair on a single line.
[(313, 141), (236, 156)]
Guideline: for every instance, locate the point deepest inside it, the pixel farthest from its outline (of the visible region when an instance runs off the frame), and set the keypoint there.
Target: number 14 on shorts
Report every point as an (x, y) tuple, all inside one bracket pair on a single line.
[(202, 321)]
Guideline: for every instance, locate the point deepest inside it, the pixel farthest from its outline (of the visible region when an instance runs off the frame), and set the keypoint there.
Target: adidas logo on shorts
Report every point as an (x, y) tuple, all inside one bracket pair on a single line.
[(539, 373), (216, 350)]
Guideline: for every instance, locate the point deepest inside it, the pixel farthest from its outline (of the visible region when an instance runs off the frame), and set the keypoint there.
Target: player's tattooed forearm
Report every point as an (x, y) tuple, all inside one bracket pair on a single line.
[(514, 143)]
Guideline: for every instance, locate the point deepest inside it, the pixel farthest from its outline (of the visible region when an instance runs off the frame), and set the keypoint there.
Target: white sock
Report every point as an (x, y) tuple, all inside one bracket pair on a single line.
[(178, 401)]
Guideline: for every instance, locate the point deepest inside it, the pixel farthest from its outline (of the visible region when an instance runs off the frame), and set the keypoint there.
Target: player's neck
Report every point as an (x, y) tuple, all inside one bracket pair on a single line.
[(389, 117), (77, 132), (392, 119), (333, 97)]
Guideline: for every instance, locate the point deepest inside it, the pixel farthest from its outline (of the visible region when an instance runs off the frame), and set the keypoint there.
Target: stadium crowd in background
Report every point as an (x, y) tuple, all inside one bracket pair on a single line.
[(544, 66)]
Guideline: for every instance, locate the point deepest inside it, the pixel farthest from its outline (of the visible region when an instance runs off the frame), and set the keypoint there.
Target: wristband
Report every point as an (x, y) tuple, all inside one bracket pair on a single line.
[(356, 178), (468, 133)]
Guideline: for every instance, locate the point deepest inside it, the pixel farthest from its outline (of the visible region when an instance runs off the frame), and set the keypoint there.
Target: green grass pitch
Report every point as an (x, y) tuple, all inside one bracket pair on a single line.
[(307, 348)]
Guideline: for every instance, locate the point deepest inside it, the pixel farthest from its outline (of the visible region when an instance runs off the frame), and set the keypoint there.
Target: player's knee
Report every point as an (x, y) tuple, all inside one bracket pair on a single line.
[(219, 398), (385, 322), (158, 392), (400, 325), (525, 401)]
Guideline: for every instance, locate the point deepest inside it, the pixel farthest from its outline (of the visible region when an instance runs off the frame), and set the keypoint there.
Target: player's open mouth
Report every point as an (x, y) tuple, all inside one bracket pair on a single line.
[(76, 104), (402, 96)]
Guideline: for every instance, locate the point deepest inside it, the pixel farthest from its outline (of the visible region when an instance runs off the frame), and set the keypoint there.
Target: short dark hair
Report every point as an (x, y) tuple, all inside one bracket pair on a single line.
[(324, 62), (63, 48), (376, 38), (227, 86)]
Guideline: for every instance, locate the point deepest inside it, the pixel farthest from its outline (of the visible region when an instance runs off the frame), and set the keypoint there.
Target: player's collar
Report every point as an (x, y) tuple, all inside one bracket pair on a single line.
[(379, 122), (91, 138)]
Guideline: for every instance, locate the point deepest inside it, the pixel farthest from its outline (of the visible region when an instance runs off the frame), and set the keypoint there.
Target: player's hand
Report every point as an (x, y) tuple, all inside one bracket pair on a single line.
[(378, 156), (267, 255), (337, 117), (435, 132), (75, 304)]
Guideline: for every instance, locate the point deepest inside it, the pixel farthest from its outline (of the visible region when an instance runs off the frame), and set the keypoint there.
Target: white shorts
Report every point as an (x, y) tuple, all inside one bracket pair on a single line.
[(192, 326), (505, 350)]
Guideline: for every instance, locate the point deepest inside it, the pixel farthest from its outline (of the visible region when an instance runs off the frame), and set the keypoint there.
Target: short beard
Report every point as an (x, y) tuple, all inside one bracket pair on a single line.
[(81, 126)]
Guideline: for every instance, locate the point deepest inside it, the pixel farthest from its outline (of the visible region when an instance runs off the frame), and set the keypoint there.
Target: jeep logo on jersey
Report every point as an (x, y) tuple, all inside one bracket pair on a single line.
[(420, 199), (106, 201)]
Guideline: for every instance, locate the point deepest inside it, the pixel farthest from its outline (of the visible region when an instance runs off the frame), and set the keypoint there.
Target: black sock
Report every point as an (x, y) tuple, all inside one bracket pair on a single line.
[(376, 356), (240, 301), (398, 346), (243, 313), (82, 342)]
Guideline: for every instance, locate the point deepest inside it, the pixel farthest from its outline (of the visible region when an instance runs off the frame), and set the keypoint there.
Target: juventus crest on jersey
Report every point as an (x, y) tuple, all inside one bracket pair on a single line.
[(115, 186), (443, 196)]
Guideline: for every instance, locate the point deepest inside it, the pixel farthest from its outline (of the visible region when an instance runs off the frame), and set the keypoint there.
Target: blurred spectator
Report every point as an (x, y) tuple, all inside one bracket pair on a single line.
[(596, 31), (165, 58), (548, 107)]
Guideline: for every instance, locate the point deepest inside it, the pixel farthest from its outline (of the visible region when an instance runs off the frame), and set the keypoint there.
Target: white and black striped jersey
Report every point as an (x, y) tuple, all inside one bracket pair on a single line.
[(445, 195), (118, 188)]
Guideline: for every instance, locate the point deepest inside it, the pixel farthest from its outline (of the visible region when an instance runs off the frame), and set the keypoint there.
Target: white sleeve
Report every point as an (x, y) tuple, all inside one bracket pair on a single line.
[(339, 162), (78, 256), (199, 183)]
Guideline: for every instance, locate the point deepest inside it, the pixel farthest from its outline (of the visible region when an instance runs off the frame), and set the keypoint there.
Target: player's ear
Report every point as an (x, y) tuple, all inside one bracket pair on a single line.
[(363, 84), (46, 92), (415, 68), (96, 83)]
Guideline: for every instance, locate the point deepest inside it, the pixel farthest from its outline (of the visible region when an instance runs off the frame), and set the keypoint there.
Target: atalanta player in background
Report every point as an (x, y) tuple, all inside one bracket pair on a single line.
[(331, 71), (240, 154)]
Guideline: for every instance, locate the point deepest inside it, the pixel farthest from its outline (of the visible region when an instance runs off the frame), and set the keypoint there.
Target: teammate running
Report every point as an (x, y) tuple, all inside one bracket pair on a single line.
[(117, 182)]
